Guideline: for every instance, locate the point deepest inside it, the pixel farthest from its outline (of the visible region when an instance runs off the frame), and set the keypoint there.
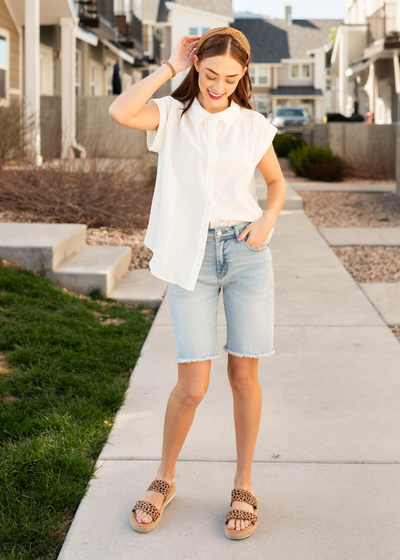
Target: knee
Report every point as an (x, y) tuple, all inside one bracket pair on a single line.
[(242, 384), (191, 396)]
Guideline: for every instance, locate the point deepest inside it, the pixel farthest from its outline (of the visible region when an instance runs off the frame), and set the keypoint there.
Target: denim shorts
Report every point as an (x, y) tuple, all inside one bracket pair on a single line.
[(246, 277)]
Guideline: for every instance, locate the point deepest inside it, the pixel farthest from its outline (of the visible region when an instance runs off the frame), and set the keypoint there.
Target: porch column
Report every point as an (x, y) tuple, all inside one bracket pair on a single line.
[(343, 63), (68, 123), (32, 81)]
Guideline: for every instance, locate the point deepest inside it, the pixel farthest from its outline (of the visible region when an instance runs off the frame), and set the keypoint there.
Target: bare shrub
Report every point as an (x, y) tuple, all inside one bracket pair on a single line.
[(113, 193), (11, 132)]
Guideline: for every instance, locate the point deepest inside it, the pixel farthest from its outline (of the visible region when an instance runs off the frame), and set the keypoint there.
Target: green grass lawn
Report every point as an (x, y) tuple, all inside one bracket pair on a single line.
[(65, 363)]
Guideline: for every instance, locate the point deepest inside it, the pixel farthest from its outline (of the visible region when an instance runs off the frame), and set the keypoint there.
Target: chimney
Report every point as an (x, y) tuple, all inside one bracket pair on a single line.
[(288, 15)]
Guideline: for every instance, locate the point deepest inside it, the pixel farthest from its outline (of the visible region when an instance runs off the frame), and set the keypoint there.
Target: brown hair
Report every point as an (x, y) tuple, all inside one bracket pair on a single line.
[(217, 45)]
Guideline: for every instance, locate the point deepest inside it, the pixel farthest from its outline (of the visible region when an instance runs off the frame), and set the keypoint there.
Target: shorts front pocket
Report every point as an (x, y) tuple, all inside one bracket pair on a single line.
[(263, 248)]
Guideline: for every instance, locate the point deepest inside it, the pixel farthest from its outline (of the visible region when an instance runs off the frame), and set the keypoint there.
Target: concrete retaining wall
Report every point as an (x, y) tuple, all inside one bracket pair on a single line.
[(369, 149)]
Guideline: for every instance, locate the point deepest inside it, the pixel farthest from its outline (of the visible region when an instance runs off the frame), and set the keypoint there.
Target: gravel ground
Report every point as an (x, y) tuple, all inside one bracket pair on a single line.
[(343, 209), (351, 209)]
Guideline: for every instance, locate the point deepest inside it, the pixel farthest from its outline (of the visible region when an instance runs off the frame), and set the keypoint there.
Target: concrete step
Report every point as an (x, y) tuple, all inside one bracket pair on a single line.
[(140, 286), (40, 246), (95, 266), (339, 236)]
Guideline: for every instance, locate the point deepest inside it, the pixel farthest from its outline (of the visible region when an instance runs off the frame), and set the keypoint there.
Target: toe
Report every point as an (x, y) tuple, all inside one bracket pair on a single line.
[(238, 524), (231, 524)]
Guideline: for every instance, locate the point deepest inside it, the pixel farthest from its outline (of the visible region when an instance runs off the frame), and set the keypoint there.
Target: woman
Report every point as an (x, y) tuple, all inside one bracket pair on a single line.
[(209, 140)]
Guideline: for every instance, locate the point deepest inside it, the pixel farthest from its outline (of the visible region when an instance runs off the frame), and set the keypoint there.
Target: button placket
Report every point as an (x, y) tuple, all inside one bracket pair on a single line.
[(210, 170), (211, 163)]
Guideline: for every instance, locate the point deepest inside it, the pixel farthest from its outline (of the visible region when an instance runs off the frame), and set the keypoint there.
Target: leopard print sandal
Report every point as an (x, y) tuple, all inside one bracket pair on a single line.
[(242, 495), (157, 485)]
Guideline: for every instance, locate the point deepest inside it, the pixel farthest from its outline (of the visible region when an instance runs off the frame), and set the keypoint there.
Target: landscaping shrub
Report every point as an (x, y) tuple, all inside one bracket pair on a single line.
[(319, 164), (285, 143)]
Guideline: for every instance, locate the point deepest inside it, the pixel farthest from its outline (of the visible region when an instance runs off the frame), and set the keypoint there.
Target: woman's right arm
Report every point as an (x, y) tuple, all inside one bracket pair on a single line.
[(131, 109)]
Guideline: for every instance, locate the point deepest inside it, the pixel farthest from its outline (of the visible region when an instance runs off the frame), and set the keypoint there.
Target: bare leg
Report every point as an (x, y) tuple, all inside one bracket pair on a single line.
[(247, 401), (193, 382)]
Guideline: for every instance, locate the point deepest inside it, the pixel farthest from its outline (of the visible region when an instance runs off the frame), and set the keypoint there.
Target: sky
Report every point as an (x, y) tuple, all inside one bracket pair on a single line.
[(301, 9)]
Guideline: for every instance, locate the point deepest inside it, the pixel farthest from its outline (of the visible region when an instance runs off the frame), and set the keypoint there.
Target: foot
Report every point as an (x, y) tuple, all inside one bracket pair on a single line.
[(240, 524), (155, 498)]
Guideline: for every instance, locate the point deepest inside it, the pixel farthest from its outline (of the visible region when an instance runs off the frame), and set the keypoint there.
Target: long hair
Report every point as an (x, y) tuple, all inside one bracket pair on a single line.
[(216, 45)]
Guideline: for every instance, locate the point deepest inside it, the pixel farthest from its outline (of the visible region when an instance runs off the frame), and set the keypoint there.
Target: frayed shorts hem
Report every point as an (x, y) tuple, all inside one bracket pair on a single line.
[(184, 360), (249, 355)]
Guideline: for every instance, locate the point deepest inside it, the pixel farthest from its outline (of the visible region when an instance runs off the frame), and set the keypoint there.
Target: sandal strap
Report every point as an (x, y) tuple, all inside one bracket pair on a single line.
[(242, 495), (148, 507), (161, 486), (240, 514)]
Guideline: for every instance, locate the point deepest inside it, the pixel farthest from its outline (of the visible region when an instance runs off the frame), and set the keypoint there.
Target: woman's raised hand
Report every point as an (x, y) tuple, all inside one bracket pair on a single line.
[(182, 56)]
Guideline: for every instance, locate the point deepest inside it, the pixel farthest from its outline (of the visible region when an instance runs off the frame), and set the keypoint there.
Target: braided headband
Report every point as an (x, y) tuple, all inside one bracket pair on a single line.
[(238, 35)]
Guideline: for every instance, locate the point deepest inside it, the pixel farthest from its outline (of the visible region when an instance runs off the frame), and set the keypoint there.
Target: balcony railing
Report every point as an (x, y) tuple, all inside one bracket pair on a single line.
[(130, 29), (152, 47), (92, 9), (384, 23)]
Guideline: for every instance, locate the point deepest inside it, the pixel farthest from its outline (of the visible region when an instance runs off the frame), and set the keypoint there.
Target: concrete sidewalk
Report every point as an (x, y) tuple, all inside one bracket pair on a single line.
[(330, 412)]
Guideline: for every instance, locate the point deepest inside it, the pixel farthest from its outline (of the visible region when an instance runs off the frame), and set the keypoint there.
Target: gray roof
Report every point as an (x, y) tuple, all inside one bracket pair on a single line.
[(301, 91), (156, 10), (274, 39)]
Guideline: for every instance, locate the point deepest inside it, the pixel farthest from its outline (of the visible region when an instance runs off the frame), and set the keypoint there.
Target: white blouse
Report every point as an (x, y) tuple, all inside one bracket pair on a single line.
[(205, 173)]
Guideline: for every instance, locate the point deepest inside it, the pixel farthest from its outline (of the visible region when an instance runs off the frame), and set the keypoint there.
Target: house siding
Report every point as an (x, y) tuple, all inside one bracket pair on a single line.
[(7, 23)]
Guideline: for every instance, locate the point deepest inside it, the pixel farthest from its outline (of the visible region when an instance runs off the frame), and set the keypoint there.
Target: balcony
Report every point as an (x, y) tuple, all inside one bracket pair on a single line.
[(384, 24), (99, 16), (152, 49), (130, 31), (151, 52)]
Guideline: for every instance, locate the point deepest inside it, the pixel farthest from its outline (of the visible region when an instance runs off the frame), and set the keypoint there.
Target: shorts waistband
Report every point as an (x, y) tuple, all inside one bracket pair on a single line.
[(224, 232)]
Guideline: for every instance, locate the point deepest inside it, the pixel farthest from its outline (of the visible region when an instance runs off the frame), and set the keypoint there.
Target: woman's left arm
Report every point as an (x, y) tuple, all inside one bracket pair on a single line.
[(272, 173)]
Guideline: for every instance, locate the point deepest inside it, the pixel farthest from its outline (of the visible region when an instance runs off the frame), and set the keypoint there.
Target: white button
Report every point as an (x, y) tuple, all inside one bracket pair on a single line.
[(219, 233)]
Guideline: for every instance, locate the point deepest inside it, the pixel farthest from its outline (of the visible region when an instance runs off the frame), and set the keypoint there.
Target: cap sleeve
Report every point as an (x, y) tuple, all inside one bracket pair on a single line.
[(266, 133), (155, 138)]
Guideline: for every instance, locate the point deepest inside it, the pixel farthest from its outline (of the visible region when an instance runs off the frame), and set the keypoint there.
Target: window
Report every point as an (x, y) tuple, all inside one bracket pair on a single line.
[(95, 78), (262, 103), (204, 29), (291, 111), (78, 72), (300, 71), (46, 70), (159, 33), (4, 65), (193, 30), (126, 81), (109, 76), (260, 75)]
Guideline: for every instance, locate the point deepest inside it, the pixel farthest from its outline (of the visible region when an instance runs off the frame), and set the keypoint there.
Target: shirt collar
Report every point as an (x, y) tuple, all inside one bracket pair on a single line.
[(197, 113)]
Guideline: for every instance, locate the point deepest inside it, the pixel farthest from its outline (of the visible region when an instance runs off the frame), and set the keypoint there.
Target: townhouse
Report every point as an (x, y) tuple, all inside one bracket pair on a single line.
[(290, 62), (365, 61)]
